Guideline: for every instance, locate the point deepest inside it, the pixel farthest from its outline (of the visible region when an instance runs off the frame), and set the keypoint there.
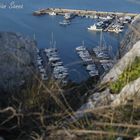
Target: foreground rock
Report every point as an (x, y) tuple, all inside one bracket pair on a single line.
[(131, 92), (17, 61)]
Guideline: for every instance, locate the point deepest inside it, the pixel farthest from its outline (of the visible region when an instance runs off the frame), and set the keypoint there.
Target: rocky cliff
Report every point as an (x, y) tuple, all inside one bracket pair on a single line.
[(17, 61), (131, 37)]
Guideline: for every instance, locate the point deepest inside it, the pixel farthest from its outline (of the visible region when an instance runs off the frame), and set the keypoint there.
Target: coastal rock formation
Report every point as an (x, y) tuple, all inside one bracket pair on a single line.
[(130, 92), (98, 99), (131, 37), (17, 61)]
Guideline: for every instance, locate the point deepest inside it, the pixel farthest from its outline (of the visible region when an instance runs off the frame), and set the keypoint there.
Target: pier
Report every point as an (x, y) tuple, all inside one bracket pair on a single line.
[(60, 11)]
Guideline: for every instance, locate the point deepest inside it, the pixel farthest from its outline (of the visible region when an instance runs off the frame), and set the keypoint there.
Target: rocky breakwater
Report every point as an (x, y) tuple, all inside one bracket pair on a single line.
[(17, 61)]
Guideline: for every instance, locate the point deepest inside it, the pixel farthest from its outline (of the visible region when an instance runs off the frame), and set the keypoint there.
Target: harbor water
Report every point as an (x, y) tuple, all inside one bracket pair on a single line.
[(69, 37)]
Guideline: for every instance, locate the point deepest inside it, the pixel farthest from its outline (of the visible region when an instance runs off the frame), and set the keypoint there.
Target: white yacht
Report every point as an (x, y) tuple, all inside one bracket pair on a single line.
[(116, 30), (69, 16), (57, 64), (95, 28), (52, 59), (93, 73), (96, 17), (52, 14), (81, 48), (91, 67)]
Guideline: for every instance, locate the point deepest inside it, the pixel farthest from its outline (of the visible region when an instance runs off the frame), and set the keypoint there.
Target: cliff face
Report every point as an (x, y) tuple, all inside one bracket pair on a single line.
[(131, 37), (130, 92), (17, 61)]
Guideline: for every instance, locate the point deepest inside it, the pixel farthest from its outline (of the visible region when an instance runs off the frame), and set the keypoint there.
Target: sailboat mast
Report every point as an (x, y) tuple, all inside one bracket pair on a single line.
[(52, 41), (83, 43), (34, 36), (54, 45), (101, 38)]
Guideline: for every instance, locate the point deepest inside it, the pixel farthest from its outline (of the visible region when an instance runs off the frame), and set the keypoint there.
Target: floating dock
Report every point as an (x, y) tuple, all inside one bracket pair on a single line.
[(61, 11)]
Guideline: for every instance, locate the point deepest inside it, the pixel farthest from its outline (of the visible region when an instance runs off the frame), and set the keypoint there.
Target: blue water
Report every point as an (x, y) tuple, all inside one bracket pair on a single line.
[(67, 38)]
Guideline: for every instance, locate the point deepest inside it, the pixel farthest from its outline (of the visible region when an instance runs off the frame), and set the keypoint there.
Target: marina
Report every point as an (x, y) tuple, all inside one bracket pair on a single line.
[(106, 21), (59, 71), (67, 36), (97, 60), (50, 65), (41, 66), (87, 60), (111, 24), (92, 58)]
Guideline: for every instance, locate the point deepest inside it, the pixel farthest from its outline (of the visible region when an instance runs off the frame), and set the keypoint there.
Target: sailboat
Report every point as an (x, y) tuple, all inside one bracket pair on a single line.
[(52, 14), (81, 48), (64, 22), (101, 51), (59, 72)]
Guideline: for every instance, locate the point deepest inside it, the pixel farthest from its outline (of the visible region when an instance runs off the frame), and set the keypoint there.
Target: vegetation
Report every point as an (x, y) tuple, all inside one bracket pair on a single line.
[(104, 124), (41, 105), (130, 74), (46, 110)]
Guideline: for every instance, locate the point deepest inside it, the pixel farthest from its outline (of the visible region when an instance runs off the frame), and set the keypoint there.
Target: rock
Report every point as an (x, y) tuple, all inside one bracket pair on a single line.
[(1, 138), (17, 61), (98, 99), (129, 92), (119, 138), (123, 63), (138, 138), (131, 37)]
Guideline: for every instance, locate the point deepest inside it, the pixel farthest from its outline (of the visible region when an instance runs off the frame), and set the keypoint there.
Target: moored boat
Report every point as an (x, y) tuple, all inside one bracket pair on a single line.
[(68, 16), (95, 28), (52, 14), (64, 22)]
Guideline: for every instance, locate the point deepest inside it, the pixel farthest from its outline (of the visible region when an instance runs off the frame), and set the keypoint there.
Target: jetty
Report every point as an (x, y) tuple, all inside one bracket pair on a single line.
[(61, 11)]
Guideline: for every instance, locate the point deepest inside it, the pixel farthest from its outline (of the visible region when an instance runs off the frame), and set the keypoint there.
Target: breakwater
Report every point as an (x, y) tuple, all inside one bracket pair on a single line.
[(61, 11)]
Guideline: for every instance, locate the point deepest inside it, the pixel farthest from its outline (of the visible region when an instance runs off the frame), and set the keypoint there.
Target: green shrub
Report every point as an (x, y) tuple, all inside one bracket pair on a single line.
[(131, 73)]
